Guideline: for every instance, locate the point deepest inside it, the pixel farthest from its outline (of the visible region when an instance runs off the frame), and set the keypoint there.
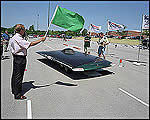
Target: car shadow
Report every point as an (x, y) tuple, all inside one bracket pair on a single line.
[(65, 84), (73, 75), (26, 86)]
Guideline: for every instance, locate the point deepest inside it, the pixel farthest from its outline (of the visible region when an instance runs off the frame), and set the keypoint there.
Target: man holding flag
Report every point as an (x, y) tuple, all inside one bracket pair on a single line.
[(102, 45), (87, 40), (18, 47)]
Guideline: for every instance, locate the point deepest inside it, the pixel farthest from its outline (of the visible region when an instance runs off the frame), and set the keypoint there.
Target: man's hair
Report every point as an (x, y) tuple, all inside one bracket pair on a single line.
[(19, 27)]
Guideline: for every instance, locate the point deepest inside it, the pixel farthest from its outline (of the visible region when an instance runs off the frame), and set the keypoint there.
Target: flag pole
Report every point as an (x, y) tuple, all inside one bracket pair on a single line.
[(139, 41), (48, 12), (107, 38), (138, 62), (90, 29), (51, 20)]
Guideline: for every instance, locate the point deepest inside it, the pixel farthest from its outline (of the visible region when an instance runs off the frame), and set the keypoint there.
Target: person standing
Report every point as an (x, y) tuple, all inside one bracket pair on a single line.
[(18, 47), (106, 42), (6, 40), (102, 45), (2, 41), (64, 37), (87, 40)]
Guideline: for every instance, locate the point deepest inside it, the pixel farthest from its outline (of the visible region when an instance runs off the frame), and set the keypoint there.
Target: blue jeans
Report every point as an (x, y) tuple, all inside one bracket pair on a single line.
[(103, 50), (100, 50)]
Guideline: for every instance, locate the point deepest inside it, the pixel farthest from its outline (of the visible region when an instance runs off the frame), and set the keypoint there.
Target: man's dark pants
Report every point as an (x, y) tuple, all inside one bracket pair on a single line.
[(19, 64), (6, 45), (1, 50)]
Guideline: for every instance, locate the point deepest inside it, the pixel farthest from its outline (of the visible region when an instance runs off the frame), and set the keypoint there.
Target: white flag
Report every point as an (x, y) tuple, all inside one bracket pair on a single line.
[(114, 26), (145, 24), (94, 28)]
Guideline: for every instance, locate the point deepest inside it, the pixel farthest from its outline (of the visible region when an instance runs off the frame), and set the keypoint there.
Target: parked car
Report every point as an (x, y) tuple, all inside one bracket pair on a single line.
[(110, 36), (138, 37), (48, 35), (30, 36), (41, 35), (123, 37), (35, 36), (58, 36), (51, 35), (132, 37), (117, 37), (68, 37), (127, 37)]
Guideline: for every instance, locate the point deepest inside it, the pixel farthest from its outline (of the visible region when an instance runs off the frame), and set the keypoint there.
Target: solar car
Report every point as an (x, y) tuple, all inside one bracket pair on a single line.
[(73, 60)]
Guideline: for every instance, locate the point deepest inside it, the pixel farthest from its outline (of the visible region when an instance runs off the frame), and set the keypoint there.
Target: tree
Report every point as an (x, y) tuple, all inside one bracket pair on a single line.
[(31, 28), (10, 30), (70, 33), (121, 32), (145, 32), (3, 29)]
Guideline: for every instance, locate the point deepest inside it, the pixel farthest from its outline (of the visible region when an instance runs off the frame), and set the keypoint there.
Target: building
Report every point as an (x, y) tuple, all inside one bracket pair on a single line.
[(97, 34), (132, 33)]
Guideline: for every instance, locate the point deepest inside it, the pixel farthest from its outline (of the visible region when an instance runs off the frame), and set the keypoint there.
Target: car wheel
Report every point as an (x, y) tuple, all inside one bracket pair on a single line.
[(67, 70), (61, 66)]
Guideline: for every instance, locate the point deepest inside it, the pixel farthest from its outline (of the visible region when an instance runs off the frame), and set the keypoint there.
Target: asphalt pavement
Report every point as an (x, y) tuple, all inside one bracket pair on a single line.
[(120, 91)]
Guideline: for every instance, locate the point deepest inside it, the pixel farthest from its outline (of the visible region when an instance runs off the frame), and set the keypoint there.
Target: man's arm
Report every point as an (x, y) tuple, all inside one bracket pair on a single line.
[(107, 42), (37, 41)]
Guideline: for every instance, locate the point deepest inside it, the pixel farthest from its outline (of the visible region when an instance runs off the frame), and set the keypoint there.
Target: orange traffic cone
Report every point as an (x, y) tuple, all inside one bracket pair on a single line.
[(121, 63)]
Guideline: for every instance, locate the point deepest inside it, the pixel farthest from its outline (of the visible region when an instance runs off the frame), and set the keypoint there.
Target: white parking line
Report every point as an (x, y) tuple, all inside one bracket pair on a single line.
[(29, 111), (134, 97), (49, 46), (65, 47)]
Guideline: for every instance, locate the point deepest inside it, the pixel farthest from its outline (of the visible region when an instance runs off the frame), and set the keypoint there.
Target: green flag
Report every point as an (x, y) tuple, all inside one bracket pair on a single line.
[(67, 19)]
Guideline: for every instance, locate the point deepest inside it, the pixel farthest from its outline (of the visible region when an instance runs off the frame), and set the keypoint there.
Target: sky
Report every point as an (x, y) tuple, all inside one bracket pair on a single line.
[(128, 13)]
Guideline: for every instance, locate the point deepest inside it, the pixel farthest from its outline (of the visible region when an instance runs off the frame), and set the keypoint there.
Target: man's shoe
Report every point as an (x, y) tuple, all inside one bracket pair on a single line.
[(21, 97), (2, 58)]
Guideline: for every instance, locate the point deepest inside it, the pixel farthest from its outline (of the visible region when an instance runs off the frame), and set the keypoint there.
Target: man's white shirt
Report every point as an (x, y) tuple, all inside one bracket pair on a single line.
[(18, 45), (104, 39)]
